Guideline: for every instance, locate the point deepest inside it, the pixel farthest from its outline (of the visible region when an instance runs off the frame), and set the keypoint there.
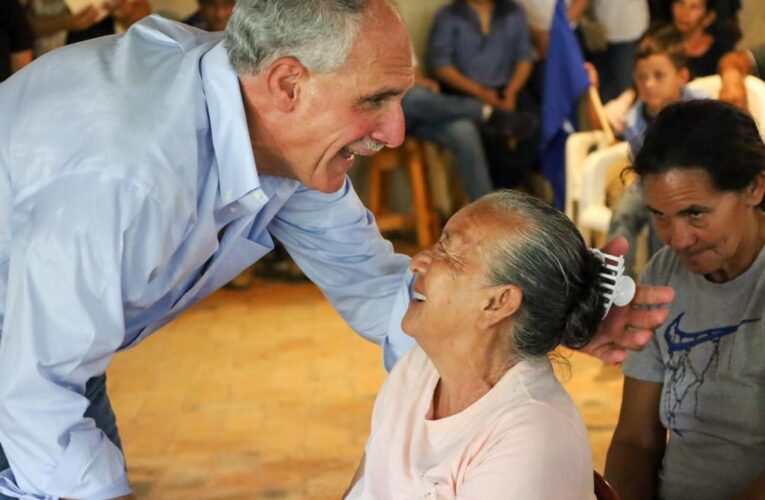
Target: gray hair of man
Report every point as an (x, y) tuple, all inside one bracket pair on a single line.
[(319, 33), (549, 261)]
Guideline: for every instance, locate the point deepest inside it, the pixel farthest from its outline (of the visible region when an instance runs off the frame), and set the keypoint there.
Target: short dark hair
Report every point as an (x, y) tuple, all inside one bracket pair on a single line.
[(704, 134), (709, 5), (666, 41)]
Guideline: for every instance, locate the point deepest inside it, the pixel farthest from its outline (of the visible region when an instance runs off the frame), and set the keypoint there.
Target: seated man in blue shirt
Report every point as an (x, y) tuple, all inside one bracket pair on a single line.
[(482, 48), (128, 196)]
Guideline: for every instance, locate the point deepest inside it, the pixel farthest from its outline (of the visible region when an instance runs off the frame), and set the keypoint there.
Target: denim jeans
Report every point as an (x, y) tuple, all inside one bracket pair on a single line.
[(450, 121), (100, 410)]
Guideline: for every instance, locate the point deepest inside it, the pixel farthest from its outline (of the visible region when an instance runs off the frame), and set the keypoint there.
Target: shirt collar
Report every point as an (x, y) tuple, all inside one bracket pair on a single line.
[(228, 126)]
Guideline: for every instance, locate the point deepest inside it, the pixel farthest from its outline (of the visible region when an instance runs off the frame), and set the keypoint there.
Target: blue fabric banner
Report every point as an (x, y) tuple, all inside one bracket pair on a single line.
[(565, 80)]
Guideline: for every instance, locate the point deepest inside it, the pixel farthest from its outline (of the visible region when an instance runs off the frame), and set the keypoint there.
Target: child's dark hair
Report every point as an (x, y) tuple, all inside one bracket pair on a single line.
[(704, 134), (666, 41)]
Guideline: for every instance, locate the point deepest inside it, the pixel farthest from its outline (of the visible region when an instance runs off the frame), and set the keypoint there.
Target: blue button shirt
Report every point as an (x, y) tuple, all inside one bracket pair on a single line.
[(490, 60), (128, 192)]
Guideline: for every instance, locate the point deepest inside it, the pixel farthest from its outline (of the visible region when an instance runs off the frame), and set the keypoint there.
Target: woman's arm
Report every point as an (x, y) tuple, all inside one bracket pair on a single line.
[(517, 81), (637, 448)]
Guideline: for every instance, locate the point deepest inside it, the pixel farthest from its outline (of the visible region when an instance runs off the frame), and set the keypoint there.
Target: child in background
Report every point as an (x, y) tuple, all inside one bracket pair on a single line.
[(660, 77)]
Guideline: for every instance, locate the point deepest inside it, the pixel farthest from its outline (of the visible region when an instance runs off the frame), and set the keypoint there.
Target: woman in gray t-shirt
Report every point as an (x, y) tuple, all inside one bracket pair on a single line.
[(692, 422)]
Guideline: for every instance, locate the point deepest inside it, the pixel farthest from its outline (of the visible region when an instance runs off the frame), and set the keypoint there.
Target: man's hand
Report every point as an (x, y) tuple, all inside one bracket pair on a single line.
[(490, 97), (509, 102), (631, 326)]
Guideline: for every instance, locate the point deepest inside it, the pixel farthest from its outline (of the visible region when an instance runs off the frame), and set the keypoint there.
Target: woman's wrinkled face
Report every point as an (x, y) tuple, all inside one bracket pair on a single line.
[(450, 275), (709, 229)]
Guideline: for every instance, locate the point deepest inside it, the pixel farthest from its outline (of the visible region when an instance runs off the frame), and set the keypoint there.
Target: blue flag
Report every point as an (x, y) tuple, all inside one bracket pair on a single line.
[(565, 80)]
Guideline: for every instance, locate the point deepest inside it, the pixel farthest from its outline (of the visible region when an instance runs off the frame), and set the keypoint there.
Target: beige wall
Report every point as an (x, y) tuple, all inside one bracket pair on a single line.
[(419, 13), (753, 22)]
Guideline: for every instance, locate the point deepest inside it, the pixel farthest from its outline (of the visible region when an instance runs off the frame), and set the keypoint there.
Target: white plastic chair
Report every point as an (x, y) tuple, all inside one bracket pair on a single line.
[(755, 94), (578, 146), (594, 215)]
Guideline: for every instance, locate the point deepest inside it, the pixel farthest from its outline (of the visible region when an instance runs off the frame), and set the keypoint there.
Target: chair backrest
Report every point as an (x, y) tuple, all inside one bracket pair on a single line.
[(755, 94), (593, 212), (603, 490), (578, 146)]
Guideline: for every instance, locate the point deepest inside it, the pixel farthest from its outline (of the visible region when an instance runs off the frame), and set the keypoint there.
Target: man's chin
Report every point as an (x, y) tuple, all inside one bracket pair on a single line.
[(330, 185)]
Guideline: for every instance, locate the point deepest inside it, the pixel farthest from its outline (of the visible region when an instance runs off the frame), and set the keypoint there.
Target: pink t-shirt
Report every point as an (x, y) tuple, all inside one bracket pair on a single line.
[(524, 439)]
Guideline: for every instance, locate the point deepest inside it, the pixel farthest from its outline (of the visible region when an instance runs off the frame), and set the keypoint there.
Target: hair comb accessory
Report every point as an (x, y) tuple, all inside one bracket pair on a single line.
[(617, 288)]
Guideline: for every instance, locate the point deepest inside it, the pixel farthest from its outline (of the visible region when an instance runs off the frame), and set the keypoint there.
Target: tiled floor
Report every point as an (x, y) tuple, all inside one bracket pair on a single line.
[(266, 394)]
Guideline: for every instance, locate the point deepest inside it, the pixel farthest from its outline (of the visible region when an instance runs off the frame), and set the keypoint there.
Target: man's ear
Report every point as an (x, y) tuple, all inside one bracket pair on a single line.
[(284, 80), (500, 303)]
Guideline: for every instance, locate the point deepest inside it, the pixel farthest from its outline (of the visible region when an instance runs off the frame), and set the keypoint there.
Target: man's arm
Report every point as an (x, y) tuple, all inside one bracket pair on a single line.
[(454, 78), (64, 320), (336, 243), (576, 8), (521, 38), (517, 82), (637, 448)]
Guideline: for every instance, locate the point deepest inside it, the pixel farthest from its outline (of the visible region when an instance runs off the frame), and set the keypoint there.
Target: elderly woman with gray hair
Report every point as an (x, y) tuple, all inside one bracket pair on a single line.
[(475, 411)]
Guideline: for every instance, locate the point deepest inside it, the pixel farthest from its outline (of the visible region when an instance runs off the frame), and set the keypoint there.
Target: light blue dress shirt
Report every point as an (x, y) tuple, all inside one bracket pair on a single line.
[(128, 192)]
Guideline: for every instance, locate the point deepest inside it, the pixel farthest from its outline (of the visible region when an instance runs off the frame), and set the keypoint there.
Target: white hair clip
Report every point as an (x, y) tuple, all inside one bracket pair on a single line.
[(617, 288)]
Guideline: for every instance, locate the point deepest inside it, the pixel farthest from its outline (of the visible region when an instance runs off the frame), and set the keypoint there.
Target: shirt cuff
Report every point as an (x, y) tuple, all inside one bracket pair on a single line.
[(91, 468), (397, 343)]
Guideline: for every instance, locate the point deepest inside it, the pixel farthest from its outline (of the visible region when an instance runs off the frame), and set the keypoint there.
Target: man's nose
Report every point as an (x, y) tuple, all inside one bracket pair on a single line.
[(390, 128)]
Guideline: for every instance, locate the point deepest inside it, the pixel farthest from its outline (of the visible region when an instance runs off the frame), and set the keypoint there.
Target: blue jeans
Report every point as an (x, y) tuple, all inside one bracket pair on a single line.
[(449, 121), (100, 410), (615, 67)]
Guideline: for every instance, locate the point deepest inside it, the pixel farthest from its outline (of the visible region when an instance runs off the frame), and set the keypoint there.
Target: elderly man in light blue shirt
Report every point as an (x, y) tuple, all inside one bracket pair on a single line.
[(140, 173)]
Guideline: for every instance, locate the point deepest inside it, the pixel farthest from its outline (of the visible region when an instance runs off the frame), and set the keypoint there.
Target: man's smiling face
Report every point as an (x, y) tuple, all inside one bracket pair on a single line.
[(355, 110)]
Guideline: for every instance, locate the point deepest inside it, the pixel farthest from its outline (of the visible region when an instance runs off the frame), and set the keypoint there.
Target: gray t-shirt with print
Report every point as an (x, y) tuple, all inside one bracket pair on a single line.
[(710, 356)]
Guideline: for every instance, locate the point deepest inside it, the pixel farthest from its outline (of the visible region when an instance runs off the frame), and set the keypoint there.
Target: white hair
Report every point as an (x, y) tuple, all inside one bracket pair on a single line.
[(319, 33)]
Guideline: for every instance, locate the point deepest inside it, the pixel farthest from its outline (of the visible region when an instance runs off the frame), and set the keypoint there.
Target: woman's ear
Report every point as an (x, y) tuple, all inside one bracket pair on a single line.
[(284, 78), (501, 303), (756, 191)]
